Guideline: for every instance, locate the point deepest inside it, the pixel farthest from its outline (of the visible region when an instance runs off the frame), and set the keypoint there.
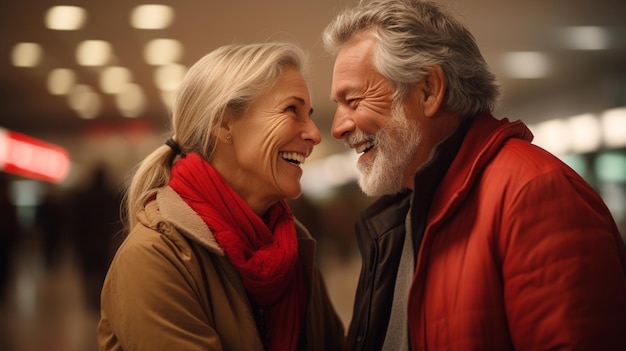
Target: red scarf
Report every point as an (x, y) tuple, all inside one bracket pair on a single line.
[(265, 254)]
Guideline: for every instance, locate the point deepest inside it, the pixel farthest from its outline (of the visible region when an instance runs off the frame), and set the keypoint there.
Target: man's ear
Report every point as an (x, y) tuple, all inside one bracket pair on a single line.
[(434, 89)]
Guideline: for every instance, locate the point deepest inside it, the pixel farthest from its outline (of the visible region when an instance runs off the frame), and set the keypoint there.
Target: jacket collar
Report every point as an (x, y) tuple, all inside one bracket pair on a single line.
[(386, 213), (175, 211), (485, 137)]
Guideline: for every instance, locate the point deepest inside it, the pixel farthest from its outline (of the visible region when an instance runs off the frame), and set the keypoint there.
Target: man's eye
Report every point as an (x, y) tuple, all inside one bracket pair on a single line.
[(291, 108), (353, 103)]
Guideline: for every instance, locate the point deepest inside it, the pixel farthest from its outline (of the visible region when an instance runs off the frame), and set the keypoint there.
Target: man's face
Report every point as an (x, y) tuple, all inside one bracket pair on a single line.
[(370, 122)]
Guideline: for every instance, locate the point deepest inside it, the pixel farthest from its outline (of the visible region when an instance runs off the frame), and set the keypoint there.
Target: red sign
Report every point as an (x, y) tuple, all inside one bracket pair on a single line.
[(33, 158)]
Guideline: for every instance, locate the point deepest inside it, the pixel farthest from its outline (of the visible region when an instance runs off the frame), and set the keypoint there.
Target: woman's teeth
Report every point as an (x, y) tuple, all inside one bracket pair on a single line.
[(293, 157)]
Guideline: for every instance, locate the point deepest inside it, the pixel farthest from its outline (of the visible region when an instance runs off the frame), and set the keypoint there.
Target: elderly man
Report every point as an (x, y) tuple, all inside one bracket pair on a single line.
[(480, 240)]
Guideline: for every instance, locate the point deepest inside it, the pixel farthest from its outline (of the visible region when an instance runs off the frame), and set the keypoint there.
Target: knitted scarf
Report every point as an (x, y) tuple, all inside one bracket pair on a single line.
[(265, 254)]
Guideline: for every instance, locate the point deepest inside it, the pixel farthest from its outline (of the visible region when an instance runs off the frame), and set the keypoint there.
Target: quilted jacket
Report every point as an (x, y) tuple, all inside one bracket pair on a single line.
[(518, 253)]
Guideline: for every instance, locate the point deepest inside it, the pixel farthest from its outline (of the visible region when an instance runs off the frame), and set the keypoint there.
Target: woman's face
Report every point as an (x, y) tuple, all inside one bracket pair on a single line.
[(269, 142)]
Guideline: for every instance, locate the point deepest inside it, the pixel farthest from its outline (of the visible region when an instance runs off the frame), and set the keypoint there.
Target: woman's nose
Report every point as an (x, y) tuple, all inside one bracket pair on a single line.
[(312, 133)]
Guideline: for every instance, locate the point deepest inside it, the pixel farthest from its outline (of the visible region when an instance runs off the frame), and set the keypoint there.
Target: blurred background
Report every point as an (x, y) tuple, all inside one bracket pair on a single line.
[(85, 89)]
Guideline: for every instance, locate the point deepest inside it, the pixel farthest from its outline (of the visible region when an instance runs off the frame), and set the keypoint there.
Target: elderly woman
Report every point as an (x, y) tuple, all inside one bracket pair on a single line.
[(214, 259)]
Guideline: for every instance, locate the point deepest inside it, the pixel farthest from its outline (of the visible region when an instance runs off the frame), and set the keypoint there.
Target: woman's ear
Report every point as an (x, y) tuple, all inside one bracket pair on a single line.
[(223, 132), (434, 90)]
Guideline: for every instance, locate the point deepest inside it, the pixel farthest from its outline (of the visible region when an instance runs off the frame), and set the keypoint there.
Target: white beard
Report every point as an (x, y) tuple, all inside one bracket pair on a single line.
[(395, 146)]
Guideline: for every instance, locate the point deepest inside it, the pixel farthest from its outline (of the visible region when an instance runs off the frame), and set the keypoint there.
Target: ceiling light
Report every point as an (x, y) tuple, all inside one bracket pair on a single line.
[(526, 64), (65, 17), (61, 81), (94, 53), (168, 77), (585, 38), (614, 127), (151, 16), (552, 135), (585, 133), (75, 96), (131, 101), (162, 51), (84, 101), (26, 54), (91, 107), (114, 79)]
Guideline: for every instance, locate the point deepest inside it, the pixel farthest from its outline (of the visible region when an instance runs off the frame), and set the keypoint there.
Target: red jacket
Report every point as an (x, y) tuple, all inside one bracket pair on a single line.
[(518, 253)]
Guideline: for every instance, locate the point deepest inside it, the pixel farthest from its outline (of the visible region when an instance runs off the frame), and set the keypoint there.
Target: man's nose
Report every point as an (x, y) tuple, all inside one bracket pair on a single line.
[(342, 125)]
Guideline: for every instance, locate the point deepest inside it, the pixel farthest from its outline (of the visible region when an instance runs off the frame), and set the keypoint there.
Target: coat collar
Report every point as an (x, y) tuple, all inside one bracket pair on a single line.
[(483, 141), (386, 213), (175, 211)]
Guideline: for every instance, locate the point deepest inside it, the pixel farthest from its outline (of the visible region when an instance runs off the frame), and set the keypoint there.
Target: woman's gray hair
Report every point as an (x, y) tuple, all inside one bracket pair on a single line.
[(411, 37), (219, 86)]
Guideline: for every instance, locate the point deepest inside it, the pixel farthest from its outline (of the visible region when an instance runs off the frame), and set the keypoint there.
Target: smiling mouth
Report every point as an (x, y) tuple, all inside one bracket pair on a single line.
[(364, 147), (293, 157)]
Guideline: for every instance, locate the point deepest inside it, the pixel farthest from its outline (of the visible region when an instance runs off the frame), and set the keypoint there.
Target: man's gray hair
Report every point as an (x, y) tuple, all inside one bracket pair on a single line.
[(412, 36)]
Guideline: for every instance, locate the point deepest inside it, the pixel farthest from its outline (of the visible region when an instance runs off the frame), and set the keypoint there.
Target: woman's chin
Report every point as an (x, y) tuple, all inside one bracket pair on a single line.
[(293, 191)]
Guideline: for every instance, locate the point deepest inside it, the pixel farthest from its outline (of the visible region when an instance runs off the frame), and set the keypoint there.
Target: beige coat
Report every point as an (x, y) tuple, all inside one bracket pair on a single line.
[(171, 287)]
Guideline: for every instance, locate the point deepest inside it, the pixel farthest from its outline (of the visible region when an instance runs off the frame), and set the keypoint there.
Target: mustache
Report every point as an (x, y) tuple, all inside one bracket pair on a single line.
[(357, 137)]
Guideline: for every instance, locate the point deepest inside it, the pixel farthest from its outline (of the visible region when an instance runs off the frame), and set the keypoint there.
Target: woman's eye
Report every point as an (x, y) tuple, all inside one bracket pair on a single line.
[(291, 108)]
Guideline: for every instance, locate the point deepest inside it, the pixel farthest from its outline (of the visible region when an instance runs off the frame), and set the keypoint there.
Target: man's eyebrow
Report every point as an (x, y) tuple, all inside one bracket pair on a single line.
[(340, 94)]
